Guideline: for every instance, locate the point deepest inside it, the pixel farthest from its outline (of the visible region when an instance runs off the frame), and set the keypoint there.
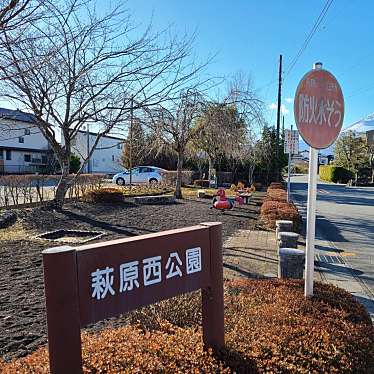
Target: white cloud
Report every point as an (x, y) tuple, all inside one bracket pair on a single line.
[(289, 100), (284, 110), (274, 106)]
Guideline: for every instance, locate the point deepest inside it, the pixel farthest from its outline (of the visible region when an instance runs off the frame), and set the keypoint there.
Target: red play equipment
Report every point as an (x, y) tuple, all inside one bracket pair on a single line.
[(222, 202)]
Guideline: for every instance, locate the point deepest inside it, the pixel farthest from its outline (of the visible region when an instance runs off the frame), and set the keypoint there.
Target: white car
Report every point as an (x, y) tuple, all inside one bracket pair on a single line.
[(140, 174)]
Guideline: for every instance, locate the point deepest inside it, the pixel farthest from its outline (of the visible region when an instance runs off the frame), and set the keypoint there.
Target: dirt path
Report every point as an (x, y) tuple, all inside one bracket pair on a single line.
[(22, 313)]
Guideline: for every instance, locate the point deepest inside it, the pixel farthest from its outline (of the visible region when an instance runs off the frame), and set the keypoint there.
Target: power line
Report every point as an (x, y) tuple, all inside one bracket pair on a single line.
[(310, 35)]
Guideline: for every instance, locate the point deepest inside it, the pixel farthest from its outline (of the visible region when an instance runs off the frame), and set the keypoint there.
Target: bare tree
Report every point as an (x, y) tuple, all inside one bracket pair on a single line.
[(224, 127), (14, 12), (71, 67), (174, 126)]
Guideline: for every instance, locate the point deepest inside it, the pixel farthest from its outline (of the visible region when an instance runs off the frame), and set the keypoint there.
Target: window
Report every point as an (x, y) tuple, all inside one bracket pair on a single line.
[(1, 154), (27, 132), (44, 160), (27, 158), (8, 154), (21, 139), (112, 157), (119, 146)]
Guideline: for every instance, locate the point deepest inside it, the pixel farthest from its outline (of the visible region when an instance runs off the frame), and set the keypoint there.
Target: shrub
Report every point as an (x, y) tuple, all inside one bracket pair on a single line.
[(20, 189), (169, 177), (276, 194), (300, 169), (271, 211), (269, 325), (75, 163), (146, 190), (275, 185), (335, 174), (104, 195)]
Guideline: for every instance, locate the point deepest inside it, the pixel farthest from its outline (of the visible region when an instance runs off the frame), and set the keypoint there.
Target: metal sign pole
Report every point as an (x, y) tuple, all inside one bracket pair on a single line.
[(319, 129), (311, 221), (289, 177)]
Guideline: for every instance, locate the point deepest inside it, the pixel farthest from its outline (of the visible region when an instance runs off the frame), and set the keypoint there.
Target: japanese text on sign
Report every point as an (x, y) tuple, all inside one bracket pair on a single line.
[(102, 279), (322, 112), (291, 141)]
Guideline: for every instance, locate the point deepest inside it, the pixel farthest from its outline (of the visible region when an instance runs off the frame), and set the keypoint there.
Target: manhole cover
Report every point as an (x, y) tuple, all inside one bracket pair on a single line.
[(71, 236)]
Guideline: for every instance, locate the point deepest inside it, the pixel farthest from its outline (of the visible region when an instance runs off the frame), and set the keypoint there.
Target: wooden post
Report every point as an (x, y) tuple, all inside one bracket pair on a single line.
[(212, 298), (61, 293)]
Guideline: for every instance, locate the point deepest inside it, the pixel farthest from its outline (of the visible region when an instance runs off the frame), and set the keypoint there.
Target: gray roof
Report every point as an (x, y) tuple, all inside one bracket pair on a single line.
[(16, 115)]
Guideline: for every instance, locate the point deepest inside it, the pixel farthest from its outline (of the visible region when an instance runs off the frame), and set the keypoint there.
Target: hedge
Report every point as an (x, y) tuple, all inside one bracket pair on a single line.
[(270, 327), (335, 174)]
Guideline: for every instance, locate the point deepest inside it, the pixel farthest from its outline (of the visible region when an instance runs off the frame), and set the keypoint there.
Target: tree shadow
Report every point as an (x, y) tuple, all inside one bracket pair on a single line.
[(325, 267), (123, 230), (236, 361), (242, 272)]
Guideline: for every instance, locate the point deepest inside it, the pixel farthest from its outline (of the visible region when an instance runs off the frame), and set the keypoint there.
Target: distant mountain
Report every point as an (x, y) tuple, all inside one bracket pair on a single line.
[(358, 127), (362, 126)]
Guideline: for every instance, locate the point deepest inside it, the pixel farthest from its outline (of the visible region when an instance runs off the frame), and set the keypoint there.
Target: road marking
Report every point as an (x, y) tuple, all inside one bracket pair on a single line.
[(348, 254)]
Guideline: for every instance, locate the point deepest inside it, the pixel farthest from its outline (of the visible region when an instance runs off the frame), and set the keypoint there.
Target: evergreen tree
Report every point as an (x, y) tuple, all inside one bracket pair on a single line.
[(351, 152)]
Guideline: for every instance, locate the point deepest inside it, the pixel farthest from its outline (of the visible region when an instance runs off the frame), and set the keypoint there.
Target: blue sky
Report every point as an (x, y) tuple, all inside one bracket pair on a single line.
[(249, 36)]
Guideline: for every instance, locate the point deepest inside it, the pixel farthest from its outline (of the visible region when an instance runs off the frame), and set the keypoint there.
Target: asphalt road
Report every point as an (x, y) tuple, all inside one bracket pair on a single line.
[(345, 221)]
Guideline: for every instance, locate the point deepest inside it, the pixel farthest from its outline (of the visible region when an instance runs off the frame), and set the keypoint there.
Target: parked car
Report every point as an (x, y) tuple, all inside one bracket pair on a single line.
[(140, 174)]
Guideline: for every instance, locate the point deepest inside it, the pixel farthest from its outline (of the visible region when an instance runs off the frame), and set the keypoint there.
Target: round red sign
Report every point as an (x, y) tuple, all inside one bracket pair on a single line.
[(319, 108)]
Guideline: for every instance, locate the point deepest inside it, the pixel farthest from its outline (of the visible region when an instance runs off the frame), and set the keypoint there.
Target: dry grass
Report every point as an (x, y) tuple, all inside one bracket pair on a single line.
[(15, 232), (270, 327)]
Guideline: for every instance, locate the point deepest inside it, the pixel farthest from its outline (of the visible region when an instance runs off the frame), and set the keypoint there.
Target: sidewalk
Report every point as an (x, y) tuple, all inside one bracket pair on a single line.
[(253, 254)]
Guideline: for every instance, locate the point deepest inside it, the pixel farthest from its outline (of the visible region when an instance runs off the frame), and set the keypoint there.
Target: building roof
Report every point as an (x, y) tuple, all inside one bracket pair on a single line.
[(104, 136), (16, 115)]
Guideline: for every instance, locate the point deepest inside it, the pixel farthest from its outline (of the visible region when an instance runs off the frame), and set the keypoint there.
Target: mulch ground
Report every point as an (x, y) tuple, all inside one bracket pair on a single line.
[(22, 311)]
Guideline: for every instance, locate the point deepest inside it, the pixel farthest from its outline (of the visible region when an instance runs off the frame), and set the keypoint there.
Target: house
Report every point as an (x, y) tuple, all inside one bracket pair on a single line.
[(303, 158), (105, 158), (23, 148)]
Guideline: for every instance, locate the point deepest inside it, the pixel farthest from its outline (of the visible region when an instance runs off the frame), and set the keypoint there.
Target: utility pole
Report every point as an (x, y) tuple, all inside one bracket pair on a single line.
[(278, 118), (88, 149), (130, 149)]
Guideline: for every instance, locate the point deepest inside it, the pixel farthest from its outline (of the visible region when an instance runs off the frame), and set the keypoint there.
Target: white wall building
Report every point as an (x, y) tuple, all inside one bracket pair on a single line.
[(105, 158), (23, 148)]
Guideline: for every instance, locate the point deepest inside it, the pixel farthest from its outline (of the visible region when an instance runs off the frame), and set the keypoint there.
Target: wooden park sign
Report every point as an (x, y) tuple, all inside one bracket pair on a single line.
[(319, 108), (93, 282)]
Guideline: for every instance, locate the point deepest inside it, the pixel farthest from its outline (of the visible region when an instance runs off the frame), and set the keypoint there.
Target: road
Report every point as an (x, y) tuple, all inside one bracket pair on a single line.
[(344, 226)]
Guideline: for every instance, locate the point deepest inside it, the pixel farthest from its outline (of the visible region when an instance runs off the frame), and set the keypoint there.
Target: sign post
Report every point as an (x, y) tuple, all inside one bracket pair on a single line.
[(291, 146), (93, 282), (319, 113)]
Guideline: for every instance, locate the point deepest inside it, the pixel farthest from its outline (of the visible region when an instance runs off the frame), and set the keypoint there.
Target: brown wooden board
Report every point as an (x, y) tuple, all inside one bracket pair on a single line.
[(117, 276)]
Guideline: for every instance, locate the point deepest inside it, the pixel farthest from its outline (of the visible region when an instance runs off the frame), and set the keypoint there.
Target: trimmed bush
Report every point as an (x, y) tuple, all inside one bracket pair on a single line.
[(335, 174), (271, 211), (276, 194), (104, 195), (275, 185), (270, 327)]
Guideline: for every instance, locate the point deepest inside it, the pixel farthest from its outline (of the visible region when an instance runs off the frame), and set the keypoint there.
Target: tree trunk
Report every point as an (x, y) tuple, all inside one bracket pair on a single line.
[(210, 168), (178, 184), (251, 169), (63, 185)]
